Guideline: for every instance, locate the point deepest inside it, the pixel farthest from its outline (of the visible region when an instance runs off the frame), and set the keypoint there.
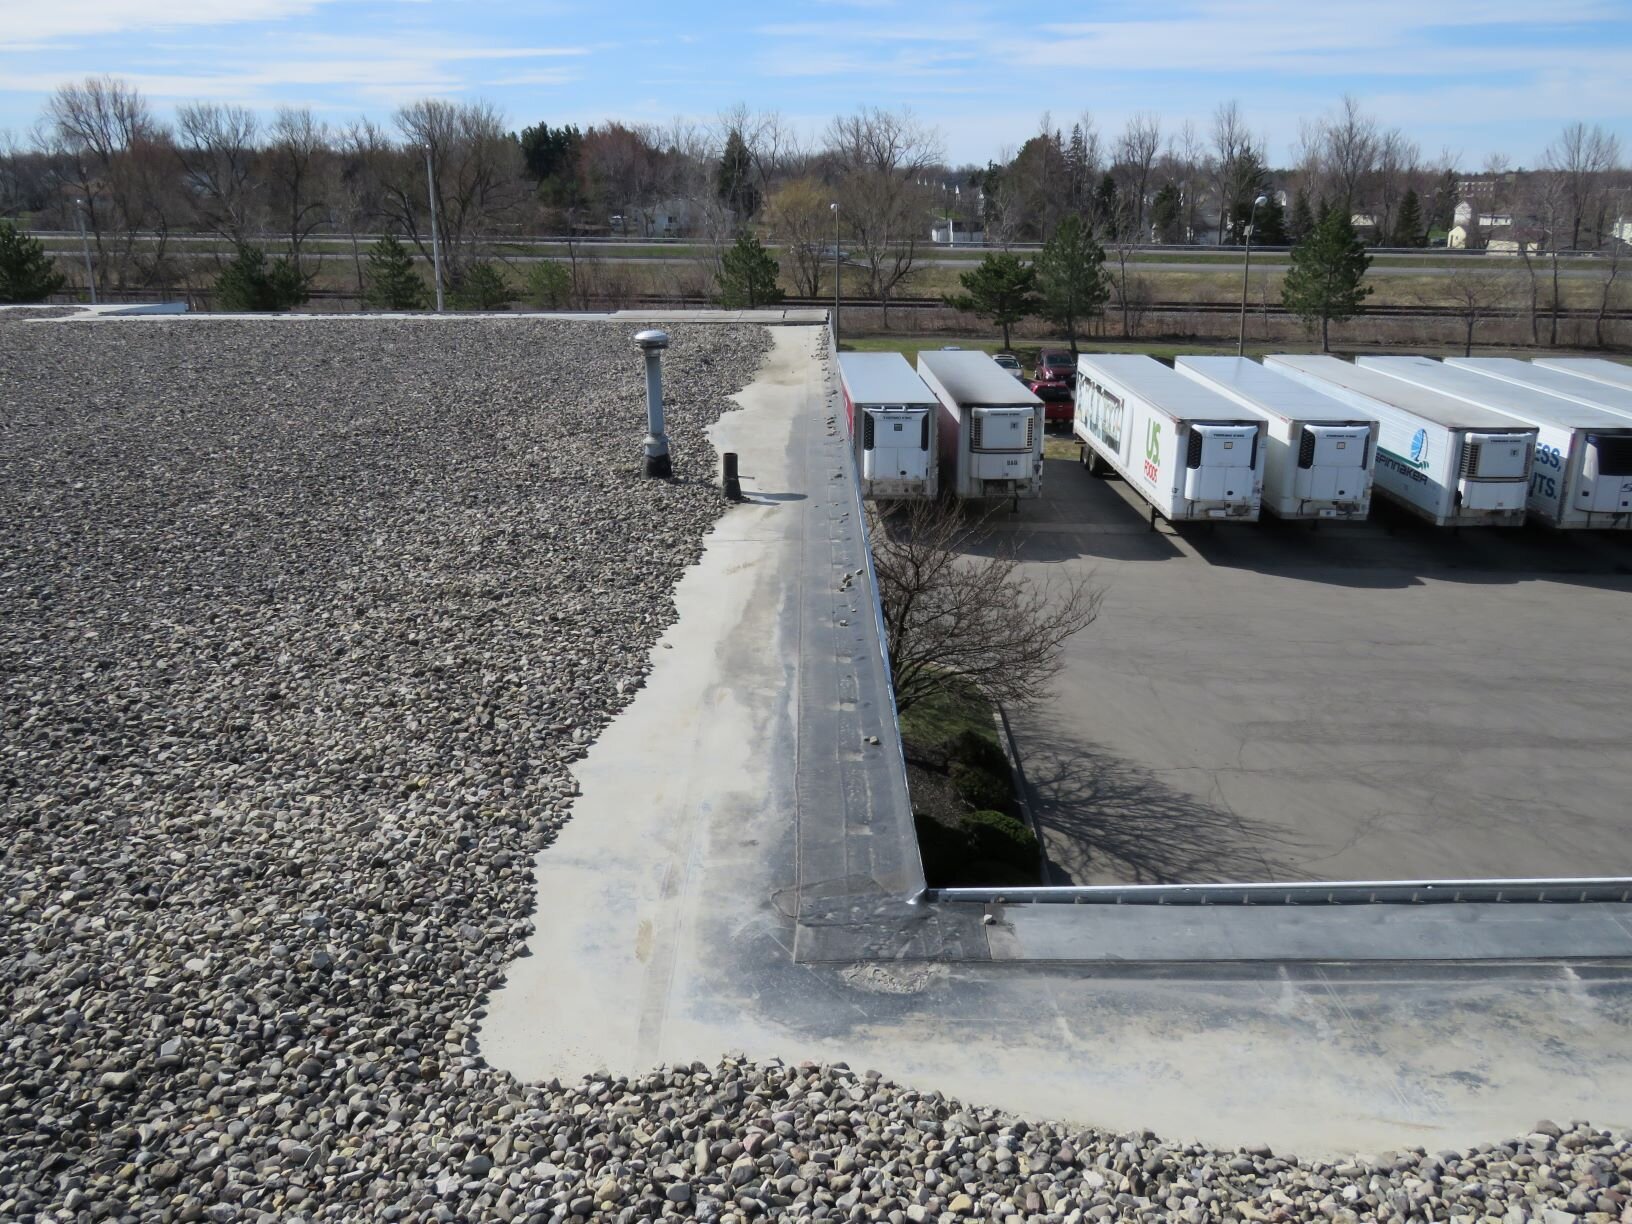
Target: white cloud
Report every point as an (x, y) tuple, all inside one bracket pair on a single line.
[(27, 25)]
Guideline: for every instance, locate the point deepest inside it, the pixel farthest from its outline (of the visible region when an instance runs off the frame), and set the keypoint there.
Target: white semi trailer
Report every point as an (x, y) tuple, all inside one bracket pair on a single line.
[(1578, 390), (892, 419), (1319, 451), (1582, 476), (1598, 369), (991, 426), (1438, 457), (1187, 450)]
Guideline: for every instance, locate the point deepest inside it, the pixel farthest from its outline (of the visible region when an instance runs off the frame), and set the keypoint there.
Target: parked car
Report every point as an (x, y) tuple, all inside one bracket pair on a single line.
[(1011, 363), (1055, 365), (1059, 400)]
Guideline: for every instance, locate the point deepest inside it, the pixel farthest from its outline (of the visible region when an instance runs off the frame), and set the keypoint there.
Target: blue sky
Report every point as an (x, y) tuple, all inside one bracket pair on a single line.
[(1498, 76)]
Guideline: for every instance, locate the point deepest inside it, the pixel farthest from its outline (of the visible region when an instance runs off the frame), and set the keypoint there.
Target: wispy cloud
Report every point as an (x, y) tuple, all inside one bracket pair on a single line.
[(28, 25)]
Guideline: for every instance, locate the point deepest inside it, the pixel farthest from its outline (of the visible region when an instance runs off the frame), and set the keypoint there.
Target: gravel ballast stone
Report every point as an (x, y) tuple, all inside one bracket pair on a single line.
[(302, 625)]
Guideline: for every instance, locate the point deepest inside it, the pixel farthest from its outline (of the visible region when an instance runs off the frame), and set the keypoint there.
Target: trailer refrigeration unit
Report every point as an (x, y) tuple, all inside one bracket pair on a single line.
[(1598, 369), (1582, 475), (990, 429), (1319, 452), (1189, 451), (1441, 458), (892, 422)]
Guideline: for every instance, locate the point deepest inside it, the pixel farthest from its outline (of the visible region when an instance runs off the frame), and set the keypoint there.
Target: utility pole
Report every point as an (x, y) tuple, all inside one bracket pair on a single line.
[(1246, 263), (436, 245), (85, 249), (835, 207)]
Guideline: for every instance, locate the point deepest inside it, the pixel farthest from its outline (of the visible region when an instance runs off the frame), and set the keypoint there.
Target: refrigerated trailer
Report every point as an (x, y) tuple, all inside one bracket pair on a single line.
[(1582, 475), (1598, 369), (1578, 390), (892, 419), (990, 432), (1438, 457), (1318, 453), (1189, 451)]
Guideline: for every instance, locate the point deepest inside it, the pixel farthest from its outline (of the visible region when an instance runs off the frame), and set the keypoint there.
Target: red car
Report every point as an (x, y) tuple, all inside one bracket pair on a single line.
[(1055, 365), (1058, 396)]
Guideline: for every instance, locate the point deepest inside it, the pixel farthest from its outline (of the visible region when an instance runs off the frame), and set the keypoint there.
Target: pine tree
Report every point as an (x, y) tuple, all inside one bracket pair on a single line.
[(482, 287), (1001, 289), (26, 272), (735, 177), (748, 275), (1269, 229), (393, 284), (1303, 217), (1166, 214), (250, 283), (1076, 171), (549, 285), (1071, 278), (1324, 281), (1105, 206), (1409, 230)]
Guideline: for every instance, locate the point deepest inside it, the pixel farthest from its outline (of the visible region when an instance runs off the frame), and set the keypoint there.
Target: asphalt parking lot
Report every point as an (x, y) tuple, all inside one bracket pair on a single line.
[(1359, 702)]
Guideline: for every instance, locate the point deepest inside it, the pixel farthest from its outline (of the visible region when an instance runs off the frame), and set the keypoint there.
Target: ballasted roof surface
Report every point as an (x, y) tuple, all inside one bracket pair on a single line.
[(1266, 390), (1529, 404), (1442, 410), (882, 378), (1153, 382), (971, 377)]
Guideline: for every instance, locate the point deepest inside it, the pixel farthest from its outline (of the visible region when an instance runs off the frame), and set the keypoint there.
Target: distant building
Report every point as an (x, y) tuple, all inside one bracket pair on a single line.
[(958, 233)]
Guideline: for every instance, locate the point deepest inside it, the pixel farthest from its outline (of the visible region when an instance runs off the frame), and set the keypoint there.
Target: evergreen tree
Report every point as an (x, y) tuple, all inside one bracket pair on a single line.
[(549, 285), (26, 272), (735, 178), (1071, 279), (1324, 281), (1270, 227), (392, 282), (1409, 230), (1105, 213), (1001, 289), (1302, 223), (1076, 171), (1442, 205), (748, 275), (482, 287), (250, 283), (1166, 214)]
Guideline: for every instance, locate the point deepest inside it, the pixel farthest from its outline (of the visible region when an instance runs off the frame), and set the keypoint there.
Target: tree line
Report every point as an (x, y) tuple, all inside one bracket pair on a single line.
[(874, 182)]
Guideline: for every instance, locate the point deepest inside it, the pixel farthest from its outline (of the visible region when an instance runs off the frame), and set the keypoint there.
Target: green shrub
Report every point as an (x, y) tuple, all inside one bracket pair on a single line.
[(250, 283), (393, 282), (26, 271), (998, 836), (549, 286), (973, 748), (981, 788), (482, 287)]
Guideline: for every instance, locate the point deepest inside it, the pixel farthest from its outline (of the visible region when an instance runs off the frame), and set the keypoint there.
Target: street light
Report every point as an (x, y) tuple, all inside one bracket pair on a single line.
[(835, 207), (1246, 263), (436, 246)]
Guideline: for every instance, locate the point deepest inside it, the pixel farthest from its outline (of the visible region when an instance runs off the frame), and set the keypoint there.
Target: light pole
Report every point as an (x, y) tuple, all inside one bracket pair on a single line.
[(835, 207), (85, 249), (436, 245), (1246, 263)]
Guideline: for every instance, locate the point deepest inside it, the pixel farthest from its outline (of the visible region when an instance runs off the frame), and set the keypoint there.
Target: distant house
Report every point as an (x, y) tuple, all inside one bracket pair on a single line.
[(957, 233)]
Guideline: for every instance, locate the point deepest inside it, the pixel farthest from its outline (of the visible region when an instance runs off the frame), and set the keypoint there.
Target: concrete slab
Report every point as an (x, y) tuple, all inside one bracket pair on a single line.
[(672, 905)]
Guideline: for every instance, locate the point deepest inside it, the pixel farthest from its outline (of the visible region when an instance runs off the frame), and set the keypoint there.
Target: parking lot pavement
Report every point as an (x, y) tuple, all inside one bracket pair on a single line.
[(1376, 701)]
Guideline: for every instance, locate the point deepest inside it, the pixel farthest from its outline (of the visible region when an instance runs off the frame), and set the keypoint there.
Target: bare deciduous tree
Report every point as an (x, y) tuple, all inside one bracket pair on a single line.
[(1476, 290), (1234, 154), (217, 148), (1136, 153), (956, 607), (298, 166), (801, 217), (111, 153), (1580, 159), (882, 157)]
